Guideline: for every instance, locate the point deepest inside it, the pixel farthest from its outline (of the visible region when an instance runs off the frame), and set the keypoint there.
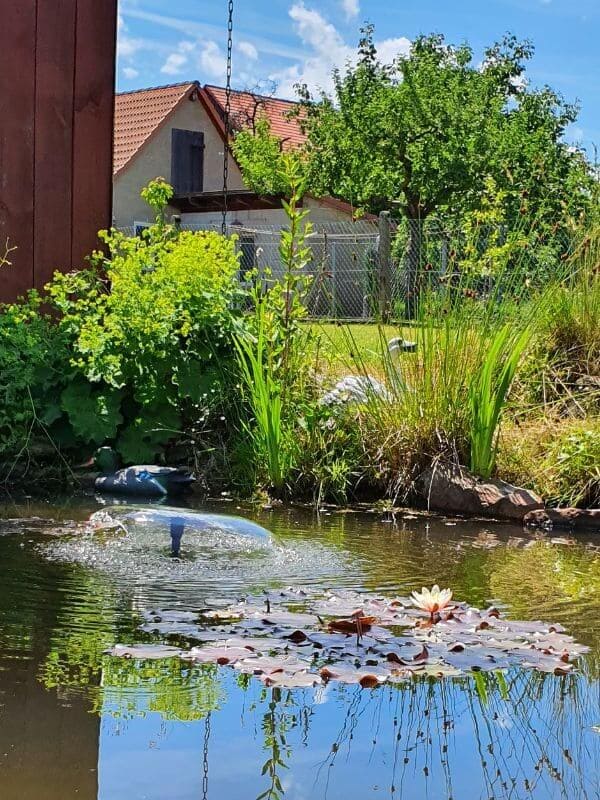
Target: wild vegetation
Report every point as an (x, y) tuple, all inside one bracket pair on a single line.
[(156, 351), (161, 350)]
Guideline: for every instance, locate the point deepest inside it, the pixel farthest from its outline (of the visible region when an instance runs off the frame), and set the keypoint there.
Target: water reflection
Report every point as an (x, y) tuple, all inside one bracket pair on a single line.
[(162, 729), (522, 736)]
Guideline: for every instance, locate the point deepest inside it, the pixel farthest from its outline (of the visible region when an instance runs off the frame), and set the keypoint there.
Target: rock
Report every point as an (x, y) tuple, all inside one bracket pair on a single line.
[(354, 389), (574, 519), (455, 490)]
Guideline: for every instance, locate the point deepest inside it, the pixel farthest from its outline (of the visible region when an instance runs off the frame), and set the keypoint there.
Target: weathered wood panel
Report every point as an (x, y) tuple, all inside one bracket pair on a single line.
[(93, 123), (56, 126), (17, 138), (55, 63)]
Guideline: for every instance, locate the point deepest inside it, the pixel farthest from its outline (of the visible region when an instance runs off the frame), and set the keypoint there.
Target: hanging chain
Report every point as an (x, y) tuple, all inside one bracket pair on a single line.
[(227, 114), (205, 773)]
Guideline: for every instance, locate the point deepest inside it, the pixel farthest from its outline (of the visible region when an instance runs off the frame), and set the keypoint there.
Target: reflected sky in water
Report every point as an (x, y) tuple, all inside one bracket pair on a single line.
[(76, 723)]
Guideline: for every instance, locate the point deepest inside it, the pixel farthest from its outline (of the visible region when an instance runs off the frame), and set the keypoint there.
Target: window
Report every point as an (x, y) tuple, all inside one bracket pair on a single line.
[(140, 227), (187, 162)]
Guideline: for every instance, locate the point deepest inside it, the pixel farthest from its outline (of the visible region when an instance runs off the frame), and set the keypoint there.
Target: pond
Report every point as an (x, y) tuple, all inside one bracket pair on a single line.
[(78, 723)]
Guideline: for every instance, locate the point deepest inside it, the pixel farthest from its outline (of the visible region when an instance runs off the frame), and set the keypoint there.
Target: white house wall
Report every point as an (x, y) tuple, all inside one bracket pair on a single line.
[(154, 160)]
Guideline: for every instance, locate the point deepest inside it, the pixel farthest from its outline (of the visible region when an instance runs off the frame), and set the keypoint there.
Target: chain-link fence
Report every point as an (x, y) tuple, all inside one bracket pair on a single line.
[(364, 269)]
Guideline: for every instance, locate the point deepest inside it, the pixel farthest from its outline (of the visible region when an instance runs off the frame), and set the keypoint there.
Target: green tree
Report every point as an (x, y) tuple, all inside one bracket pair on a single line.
[(422, 135)]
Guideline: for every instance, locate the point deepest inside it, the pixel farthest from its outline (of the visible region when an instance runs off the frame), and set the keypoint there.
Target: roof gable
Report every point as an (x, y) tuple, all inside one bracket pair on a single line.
[(139, 114)]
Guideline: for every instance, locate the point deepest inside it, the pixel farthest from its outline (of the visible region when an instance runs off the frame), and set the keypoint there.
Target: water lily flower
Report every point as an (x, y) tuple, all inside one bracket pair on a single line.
[(432, 600)]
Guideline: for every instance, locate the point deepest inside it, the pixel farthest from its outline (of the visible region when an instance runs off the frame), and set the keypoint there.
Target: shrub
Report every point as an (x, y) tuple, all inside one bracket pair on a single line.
[(33, 368), (133, 350), (150, 327)]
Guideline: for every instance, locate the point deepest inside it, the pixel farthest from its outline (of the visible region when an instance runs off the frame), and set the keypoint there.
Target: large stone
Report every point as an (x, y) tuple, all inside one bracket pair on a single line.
[(573, 519), (454, 490)]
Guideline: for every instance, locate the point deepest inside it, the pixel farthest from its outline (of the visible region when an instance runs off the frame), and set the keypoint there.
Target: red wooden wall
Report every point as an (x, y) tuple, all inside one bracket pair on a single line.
[(57, 72)]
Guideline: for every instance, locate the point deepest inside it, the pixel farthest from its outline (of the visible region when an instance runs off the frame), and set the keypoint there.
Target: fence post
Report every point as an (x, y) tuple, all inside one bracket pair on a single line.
[(413, 267), (444, 252), (385, 265), (334, 305)]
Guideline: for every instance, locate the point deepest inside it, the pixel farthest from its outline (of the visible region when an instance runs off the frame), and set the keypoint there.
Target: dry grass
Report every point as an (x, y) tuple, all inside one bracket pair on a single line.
[(559, 458)]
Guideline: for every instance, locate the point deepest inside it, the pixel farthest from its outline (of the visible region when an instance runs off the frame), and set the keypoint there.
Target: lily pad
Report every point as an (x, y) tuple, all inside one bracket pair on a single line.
[(296, 638)]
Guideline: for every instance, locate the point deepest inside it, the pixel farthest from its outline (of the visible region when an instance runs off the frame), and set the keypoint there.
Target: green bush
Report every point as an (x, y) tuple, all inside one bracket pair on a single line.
[(150, 326), (34, 363), (131, 351)]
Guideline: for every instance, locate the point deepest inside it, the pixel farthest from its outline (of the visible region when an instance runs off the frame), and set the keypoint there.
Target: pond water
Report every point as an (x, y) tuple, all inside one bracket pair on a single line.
[(77, 723)]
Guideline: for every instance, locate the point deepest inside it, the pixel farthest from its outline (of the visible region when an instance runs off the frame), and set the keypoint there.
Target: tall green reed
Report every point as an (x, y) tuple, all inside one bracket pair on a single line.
[(259, 373), (271, 346), (448, 398)]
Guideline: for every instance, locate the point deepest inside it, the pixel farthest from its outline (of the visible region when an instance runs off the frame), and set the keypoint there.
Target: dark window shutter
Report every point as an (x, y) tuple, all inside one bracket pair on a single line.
[(248, 253), (187, 162)]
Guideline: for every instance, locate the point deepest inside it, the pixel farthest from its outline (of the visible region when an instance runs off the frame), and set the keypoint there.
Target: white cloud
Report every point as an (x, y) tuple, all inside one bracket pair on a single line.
[(177, 60), (326, 49), (127, 46), (130, 73), (212, 60), (174, 64), (389, 49), (249, 50), (204, 55), (351, 8)]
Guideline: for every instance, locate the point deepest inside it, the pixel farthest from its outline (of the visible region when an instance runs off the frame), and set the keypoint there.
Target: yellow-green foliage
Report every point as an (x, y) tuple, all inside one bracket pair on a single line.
[(152, 322), (163, 294)]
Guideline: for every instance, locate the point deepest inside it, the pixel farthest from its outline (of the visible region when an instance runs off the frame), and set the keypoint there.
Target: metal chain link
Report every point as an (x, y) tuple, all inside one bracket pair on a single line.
[(227, 114), (205, 773)]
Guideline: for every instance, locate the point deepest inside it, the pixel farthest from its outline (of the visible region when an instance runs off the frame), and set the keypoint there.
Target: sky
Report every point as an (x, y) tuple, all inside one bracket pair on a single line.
[(278, 43)]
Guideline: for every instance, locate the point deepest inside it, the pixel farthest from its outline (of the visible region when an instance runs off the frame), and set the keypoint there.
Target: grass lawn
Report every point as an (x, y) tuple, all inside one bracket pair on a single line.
[(339, 342)]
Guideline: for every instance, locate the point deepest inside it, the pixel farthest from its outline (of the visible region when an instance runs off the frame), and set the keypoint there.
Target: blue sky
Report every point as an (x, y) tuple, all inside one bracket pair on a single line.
[(283, 41)]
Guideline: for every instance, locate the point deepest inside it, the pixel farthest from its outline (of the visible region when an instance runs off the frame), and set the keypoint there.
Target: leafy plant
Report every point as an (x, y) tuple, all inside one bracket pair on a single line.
[(488, 392), (271, 346), (34, 366), (150, 324), (259, 373)]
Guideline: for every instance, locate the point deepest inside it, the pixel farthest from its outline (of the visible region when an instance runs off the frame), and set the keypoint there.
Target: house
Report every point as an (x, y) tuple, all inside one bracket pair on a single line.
[(178, 132)]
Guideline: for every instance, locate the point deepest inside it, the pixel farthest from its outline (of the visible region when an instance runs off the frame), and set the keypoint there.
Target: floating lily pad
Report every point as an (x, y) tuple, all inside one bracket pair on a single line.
[(295, 638), (145, 652)]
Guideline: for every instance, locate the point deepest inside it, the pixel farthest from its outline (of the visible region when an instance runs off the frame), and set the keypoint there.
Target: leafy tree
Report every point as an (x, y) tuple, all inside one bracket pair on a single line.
[(261, 159), (422, 135)]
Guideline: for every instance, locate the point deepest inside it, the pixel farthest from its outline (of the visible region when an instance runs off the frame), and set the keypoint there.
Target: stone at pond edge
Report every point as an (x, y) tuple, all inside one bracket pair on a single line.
[(576, 519), (453, 489)]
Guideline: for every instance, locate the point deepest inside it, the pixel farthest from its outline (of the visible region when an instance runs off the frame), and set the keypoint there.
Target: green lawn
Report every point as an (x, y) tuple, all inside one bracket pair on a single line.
[(340, 342)]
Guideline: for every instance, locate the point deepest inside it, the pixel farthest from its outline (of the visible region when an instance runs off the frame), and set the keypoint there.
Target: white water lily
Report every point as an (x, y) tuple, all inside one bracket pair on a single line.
[(432, 600)]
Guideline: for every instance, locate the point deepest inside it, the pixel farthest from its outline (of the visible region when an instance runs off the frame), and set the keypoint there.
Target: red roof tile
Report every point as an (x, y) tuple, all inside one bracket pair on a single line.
[(138, 114), (246, 105)]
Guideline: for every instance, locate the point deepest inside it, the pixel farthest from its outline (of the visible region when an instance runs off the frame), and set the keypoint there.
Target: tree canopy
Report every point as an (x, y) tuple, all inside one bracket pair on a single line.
[(423, 134)]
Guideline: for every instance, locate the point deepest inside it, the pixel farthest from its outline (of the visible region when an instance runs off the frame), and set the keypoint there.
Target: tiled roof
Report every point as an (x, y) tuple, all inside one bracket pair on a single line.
[(138, 114), (245, 106)]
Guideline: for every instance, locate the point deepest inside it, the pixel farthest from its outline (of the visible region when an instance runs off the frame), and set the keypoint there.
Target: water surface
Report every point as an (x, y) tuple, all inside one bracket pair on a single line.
[(75, 723)]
